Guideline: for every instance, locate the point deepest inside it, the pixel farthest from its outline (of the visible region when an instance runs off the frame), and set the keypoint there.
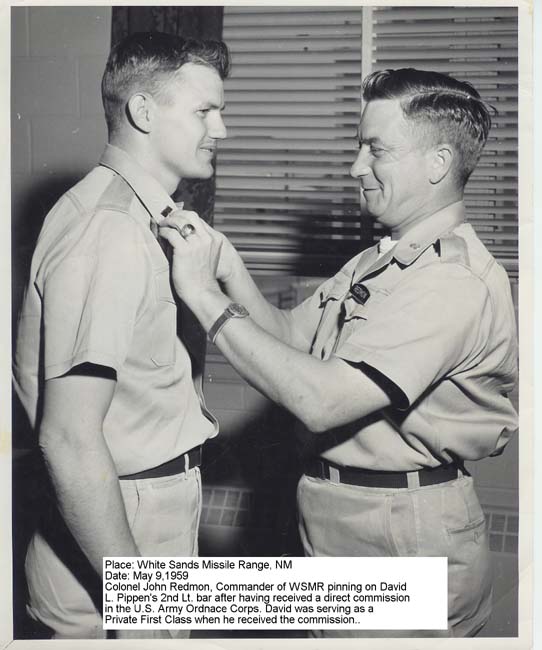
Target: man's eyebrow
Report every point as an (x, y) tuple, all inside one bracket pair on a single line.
[(208, 105), (369, 141), (362, 140)]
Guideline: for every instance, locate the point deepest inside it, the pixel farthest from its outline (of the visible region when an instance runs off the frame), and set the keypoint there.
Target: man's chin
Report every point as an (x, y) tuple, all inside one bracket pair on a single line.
[(202, 174), (372, 210)]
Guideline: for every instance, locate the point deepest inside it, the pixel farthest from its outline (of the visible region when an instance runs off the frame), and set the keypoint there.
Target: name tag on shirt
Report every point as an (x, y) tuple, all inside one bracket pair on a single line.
[(360, 293)]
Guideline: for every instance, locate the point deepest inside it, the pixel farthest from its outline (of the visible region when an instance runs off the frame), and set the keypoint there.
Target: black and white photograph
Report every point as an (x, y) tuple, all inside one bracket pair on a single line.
[(265, 302)]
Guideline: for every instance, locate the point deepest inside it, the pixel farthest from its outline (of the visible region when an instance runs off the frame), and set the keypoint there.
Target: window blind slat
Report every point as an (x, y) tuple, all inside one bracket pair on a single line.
[(247, 155), (301, 43), (458, 15), (292, 184), (284, 31), (307, 57), (267, 123), (315, 145), (330, 84), (453, 41), (302, 20), (298, 9), (288, 134), (455, 67), (495, 28), (295, 219), (282, 71), (292, 109), (326, 196), (433, 53)]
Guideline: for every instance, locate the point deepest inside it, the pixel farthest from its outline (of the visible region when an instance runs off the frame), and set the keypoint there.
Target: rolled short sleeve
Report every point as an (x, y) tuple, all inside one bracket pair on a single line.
[(433, 324), (92, 298)]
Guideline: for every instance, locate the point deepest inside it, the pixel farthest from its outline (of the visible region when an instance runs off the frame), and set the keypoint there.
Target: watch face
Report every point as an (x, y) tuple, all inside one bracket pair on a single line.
[(237, 310)]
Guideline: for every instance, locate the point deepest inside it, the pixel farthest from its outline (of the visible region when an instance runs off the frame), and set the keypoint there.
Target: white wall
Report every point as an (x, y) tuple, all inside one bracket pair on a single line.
[(58, 129), (58, 56)]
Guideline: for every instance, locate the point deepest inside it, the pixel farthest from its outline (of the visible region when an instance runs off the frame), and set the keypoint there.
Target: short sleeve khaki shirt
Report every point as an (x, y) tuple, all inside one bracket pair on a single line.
[(433, 322), (100, 292)]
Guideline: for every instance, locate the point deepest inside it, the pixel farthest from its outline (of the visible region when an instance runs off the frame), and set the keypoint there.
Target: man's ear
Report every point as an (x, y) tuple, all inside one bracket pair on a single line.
[(139, 111), (440, 162)]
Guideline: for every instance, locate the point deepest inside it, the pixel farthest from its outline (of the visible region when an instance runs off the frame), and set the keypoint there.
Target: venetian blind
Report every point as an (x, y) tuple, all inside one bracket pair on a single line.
[(479, 45), (283, 191), (284, 195)]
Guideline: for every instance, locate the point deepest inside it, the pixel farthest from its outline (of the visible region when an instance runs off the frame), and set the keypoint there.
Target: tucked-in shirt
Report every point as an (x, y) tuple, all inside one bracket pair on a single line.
[(100, 293), (432, 322)]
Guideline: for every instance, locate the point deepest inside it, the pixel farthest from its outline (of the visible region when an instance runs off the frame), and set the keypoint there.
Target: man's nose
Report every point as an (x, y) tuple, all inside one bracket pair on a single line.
[(361, 165), (217, 128)]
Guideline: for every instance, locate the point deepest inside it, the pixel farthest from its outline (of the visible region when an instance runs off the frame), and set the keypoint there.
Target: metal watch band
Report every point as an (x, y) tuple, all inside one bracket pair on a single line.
[(233, 310)]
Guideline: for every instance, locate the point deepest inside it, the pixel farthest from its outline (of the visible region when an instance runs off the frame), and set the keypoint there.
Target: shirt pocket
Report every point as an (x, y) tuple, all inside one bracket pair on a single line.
[(356, 315), (164, 328)]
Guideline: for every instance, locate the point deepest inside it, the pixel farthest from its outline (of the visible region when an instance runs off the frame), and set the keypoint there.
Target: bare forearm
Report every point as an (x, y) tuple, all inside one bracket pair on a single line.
[(322, 394), (89, 497), (277, 370), (240, 287)]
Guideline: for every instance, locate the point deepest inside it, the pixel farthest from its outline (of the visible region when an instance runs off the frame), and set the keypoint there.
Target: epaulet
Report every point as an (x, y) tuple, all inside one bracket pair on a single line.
[(453, 249), (118, 196)]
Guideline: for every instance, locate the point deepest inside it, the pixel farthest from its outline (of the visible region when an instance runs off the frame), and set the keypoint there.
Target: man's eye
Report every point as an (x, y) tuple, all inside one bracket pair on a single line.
[(376, 151), (202, 111)]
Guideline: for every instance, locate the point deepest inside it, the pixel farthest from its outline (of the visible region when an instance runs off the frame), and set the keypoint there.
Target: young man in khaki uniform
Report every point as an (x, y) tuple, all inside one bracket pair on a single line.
[(401, 364), (100, 369)]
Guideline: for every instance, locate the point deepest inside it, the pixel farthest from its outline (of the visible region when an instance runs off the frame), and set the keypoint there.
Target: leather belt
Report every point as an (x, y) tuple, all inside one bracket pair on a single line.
[(178, 465), (323, 469)]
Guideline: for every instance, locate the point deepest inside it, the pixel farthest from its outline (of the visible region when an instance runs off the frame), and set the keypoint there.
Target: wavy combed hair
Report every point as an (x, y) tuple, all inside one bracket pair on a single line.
[(440, 108), (150, 61)]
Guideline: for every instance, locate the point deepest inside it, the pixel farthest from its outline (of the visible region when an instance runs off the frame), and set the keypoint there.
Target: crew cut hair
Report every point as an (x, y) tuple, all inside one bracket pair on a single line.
[(149, 62), (443, 108)]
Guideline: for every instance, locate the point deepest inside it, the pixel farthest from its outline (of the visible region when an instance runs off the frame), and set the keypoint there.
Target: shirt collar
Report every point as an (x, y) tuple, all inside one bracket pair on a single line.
[(415, 242), (149, 191), (427, 232)]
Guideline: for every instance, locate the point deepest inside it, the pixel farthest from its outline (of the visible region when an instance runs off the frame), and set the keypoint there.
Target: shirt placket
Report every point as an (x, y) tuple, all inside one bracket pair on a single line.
[(197, 378)]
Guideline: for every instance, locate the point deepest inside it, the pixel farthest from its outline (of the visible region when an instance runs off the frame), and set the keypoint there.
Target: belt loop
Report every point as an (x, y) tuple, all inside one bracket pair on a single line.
[(334, 475), (413, 480), (186, 466)]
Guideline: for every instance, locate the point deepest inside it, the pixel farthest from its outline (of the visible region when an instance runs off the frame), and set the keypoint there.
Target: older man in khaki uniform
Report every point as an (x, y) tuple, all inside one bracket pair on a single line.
[(402, 363)]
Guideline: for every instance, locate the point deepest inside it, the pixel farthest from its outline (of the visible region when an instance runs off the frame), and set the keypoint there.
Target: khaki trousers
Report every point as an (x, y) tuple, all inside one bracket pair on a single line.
[(436, 520), (64, 590)]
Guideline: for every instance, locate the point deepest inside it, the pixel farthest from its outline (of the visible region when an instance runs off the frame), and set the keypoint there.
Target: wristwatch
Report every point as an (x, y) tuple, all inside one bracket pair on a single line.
[(233, 310)]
